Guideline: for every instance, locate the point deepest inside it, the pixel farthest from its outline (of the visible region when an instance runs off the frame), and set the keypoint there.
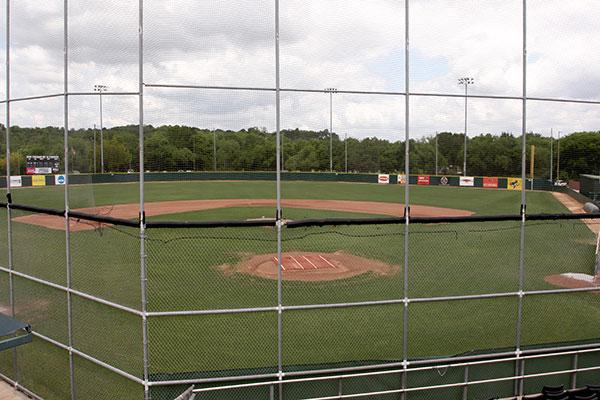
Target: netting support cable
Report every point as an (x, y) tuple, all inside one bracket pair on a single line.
[(367, 92), (11, 282), (66, 199), (142, 213), (278, 205), (520, 365), (406, 194)]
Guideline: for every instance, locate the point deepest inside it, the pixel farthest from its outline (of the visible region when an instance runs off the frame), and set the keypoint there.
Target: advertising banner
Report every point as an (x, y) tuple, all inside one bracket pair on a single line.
[(490, 182), (38, 180), (514, 184), (423, 180), (59, 179), (383, 178), (401, 179), (16, 181), (467, 181)]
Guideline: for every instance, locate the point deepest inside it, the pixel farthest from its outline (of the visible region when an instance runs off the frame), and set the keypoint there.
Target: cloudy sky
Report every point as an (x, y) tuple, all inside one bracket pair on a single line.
[(347, 44)]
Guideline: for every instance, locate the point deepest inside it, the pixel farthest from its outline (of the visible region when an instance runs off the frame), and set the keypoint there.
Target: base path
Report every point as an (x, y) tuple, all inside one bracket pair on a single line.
[(576, 207), (130, 211)]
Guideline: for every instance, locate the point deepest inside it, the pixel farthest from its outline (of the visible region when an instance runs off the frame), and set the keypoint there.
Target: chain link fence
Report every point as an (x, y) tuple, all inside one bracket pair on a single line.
[(190, 234)]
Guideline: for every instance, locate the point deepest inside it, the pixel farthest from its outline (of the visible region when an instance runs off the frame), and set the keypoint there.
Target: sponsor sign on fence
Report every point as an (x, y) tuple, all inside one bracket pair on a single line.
[(16, 181), (383, 178), (490, 182), (59, 179), (444, 180), (401, 179), (467, 181), (514, 184), (38, 180), (423, 180)]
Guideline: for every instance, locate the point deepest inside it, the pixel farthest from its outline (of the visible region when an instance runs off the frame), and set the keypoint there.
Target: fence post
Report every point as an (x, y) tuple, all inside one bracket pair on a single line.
[(466, 387), (574, 365), (519, 323), (142, 217), (279, 219), (11, 283), (406, 194), (66, 194)]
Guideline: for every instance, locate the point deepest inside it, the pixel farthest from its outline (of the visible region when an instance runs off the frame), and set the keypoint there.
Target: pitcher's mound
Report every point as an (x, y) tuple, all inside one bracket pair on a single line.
[(305, 266)]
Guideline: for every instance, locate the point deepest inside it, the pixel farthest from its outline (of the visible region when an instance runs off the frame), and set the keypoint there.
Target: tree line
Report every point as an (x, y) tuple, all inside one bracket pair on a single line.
[(184, 148)]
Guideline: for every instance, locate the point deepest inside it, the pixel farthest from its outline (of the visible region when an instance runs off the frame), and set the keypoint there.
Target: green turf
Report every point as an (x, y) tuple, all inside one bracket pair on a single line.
[(480, 201), (183, 273)]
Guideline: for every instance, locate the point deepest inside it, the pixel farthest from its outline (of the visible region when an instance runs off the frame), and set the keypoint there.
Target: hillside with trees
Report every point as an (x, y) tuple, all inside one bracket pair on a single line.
[(184, 148)]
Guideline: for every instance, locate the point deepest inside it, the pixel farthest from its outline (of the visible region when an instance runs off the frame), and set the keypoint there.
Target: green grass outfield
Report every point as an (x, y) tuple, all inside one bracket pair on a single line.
[(444, 260)]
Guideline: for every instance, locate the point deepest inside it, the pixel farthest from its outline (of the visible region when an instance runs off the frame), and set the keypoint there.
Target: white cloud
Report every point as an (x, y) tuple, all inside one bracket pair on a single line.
[(348, 44)]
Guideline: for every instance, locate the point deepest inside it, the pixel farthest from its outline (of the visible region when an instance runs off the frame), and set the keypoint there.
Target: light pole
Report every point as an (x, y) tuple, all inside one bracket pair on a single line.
[(466, 82), (436, 153), (551, 154), (346, 152), (94, 148), (558, 158), (100, 89), (331, 91)]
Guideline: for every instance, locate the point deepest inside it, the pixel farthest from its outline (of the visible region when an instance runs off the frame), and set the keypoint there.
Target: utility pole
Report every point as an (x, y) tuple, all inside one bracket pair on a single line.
[(100, 89), (466, 82), (215, 151), (558, 157), (331, 91), (346, 152), (436, 153), (532, 165), (551, 154), (95, 149)]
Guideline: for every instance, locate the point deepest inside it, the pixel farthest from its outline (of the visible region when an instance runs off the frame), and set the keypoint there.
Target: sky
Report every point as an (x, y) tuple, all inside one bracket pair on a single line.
[(347, 44)]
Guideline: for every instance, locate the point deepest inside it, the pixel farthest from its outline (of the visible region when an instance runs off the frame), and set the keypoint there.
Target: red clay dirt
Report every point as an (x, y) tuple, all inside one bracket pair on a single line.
[(130, 211), (576, 207), (341, 265), (569, 282)]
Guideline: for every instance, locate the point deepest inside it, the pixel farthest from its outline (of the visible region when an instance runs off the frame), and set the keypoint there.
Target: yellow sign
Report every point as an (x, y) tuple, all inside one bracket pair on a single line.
[(514, 184), (38, 180)]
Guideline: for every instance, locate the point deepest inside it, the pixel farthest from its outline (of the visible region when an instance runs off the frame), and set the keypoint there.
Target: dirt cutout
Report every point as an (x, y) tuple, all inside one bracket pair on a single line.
[(574, 280), (576, 207), (130, 211), (310, 266)]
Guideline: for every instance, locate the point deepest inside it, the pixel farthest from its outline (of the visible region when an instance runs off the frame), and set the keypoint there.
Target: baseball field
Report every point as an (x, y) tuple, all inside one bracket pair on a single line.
[(233, 268)]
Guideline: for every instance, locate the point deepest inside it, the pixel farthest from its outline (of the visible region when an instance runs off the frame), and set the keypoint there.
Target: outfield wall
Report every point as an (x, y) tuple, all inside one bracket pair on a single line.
[(432, 180)]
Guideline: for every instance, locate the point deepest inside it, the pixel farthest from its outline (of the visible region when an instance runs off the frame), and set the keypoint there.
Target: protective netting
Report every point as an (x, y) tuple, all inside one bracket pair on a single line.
[(229, 193)]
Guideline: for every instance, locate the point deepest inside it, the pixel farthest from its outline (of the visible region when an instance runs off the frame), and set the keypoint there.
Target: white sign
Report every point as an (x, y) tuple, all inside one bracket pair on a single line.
[(16, 181), (59, 179), (383, 178), (43, 170), (401, 179), (467, 181)]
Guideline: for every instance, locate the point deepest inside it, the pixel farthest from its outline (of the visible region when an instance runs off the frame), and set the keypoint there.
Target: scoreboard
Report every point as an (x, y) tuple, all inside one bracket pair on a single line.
[(37, 165)]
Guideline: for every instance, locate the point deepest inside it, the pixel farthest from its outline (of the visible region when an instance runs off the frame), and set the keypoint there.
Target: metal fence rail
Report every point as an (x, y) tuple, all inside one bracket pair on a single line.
[(147, 323)]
